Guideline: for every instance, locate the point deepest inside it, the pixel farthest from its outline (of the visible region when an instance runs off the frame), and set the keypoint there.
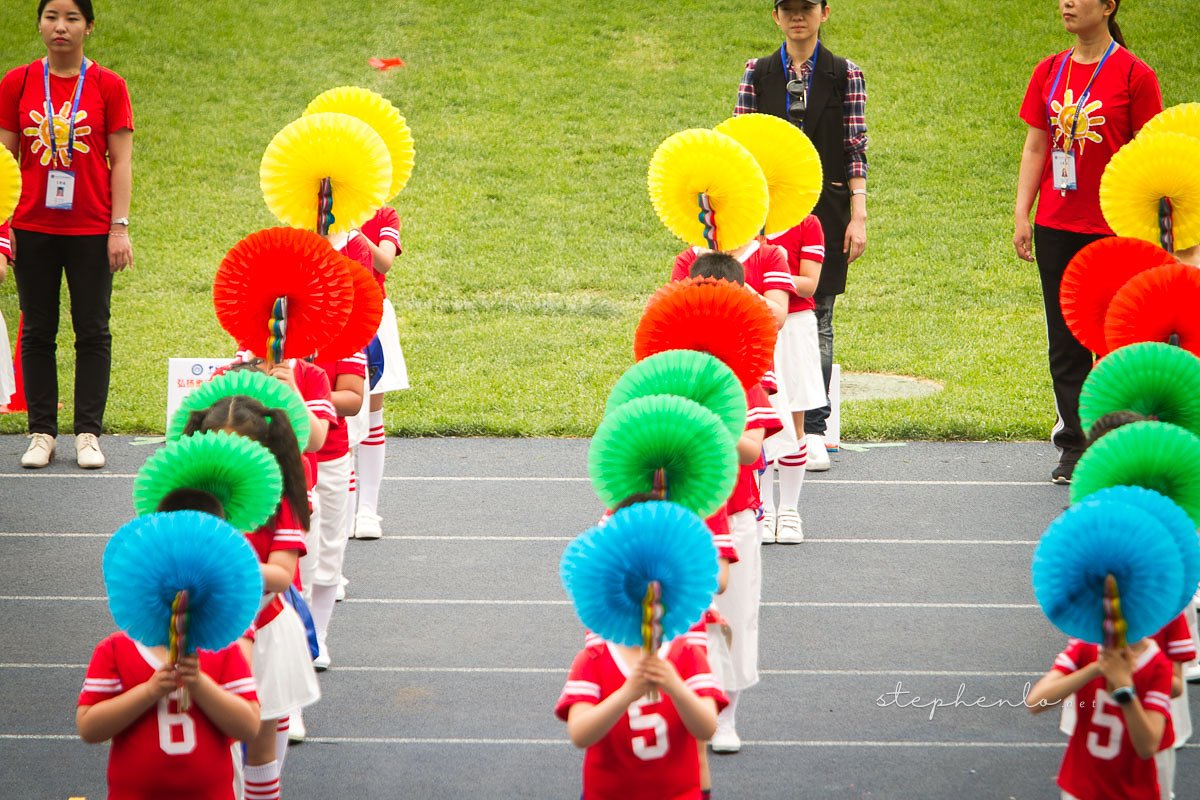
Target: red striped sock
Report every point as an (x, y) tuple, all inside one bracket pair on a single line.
[(262, 781)]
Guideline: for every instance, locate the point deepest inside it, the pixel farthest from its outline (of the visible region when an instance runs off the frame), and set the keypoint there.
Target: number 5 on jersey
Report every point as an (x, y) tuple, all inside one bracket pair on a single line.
[(648, 748)]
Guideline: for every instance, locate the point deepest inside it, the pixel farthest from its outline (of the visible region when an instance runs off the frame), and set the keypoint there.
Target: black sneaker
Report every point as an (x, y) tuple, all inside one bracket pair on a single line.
[(1061, 474)]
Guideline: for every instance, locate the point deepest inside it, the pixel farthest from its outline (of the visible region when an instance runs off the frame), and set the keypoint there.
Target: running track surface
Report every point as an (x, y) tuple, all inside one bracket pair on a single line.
[(453, 644)]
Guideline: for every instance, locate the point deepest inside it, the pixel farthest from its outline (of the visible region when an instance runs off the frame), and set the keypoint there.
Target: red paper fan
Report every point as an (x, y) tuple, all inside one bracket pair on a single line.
[(283, 262), (1094, 277), (717, 317), (364, 317), (1156, 305)]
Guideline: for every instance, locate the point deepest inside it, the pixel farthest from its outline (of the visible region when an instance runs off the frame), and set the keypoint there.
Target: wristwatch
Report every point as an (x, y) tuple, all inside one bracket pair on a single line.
[(121, 221), (1124, 695)]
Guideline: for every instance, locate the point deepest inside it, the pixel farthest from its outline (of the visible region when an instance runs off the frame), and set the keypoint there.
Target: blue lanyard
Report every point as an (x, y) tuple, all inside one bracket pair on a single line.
[(74, 112), (812, 66), (1083, 98)]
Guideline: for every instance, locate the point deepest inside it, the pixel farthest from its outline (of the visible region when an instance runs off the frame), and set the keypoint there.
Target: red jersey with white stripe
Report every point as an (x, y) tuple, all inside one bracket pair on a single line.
[(1176, 641), (803, 242), (765, 265), (337, 441), (718, 526), (5, 241), (760, 414), (649, 753), (165, 752), (383, 227), (1100, 763), (281, 532)]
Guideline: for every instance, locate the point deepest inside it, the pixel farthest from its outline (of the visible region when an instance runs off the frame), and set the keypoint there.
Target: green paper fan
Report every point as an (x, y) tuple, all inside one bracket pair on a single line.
[(1151, 378), (239, 472), (679, 436), (685, 373), (1153, 455), (269, 391)]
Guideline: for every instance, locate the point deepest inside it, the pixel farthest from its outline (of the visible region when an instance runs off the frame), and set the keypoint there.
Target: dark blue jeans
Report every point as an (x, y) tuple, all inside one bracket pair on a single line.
[(814, 421)]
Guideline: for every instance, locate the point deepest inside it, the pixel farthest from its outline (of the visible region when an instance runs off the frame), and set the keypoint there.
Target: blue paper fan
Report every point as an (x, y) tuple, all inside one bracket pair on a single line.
[(1174, 519), (1092, 539), (149, 560), (606, 569)]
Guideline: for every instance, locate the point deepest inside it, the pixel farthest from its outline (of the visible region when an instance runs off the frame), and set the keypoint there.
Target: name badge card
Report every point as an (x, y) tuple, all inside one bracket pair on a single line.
[(1063, 169), (60, 190)]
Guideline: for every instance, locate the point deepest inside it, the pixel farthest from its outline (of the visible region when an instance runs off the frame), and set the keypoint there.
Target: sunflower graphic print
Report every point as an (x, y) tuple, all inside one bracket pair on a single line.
[(39, 134), (1085, 121)]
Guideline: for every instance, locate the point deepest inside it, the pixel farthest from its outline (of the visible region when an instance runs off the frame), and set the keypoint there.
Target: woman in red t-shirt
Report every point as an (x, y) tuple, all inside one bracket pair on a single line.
[(73, 217), (1081, 106)]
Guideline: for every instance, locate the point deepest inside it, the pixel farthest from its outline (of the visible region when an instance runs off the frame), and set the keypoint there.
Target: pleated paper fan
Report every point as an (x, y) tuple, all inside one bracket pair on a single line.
[(1153, 455), (1183, 118), (340, 147), (716, 317), (1154, 379), (1154, 306), (1092, 540), (1095, 275), (789, 162), (1174, 519), (686, 373), (605, 571), (383, 117), (10, 184), (686, 441), (365, 314), (1142, 173), (238, 471), (283, 262), (150, 559), (267, 390), (699, 162)]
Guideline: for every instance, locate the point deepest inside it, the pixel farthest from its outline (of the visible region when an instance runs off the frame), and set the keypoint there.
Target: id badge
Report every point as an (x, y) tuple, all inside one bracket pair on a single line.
[(1063, 169), (60, 190)]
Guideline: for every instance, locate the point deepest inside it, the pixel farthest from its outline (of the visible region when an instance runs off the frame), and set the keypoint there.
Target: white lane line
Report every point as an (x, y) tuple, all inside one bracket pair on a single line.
[(545, 479), (810, 673), (473, 538), (418, 601)]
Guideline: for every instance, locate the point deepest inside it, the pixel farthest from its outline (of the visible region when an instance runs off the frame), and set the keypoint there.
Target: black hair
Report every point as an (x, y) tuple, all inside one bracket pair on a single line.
[(187, 499), (84, 6), (634, 499), (1114, 30), (1111, 421), (719, 266), (269, 427)]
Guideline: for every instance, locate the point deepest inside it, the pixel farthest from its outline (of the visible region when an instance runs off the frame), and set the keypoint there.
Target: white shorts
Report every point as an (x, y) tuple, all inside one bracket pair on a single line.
[(325, 541), (740, 602), (395, 372), (798, 362), (1164, 764), (283, 666)]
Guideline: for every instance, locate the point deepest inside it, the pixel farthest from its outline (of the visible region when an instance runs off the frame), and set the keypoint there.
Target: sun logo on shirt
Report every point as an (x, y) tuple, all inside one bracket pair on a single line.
[(1065, 114), (40, 133)]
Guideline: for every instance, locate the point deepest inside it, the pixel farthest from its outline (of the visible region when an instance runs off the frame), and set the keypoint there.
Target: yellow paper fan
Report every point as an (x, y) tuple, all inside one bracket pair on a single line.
[(378, 112), (789, 162), (1183, 118), (695, 163), (336, 146), (1142, 173), (10, 184)]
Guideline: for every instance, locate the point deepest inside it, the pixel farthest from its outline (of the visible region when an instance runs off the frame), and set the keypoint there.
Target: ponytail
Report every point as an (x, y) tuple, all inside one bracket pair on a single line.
[(1114, 30)]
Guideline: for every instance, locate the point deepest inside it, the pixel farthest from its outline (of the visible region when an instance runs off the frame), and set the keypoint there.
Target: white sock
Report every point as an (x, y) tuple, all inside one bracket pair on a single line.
[(791, 477), (262, 781), (371, 454), (728, 715), (282, 726), (766, 489), (352, 500), (323, 600)]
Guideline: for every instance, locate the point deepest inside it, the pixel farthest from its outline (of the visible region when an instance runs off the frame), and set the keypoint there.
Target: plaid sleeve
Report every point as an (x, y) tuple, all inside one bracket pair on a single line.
[(747, 100), (854, 116)]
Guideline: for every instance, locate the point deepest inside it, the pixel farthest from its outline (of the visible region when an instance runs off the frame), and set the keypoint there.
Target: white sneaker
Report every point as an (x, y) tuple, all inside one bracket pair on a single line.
[(40, 451), (341, 590), (87, 451), (768, 527), (790, 529), (818, 456), (366, 525), (296, 731), (1191, 671), (725, 740), (322, 661)]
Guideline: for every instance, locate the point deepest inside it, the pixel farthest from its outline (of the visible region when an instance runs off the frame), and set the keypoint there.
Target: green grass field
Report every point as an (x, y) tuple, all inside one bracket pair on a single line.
[(530, 244)]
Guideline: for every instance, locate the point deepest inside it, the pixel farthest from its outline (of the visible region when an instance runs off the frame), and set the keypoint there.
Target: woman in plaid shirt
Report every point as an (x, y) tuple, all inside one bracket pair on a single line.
[(825, 96)]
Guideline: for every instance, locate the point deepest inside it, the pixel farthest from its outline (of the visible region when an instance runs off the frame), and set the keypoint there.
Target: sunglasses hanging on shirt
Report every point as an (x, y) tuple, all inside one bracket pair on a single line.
[(798, 95)]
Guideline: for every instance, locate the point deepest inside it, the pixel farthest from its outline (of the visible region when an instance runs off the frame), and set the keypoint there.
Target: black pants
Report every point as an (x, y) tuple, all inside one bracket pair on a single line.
[(1070, 362), (42, 259), (815, 420)]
